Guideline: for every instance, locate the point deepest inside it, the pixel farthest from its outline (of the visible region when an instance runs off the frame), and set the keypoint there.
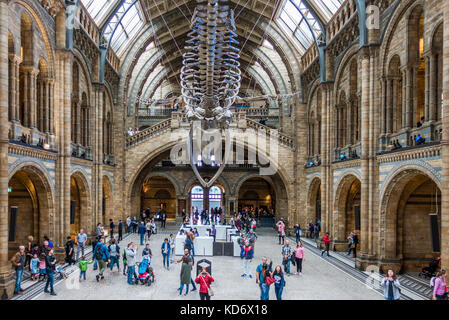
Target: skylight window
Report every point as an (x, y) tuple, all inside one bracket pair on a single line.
[(299, 22), (98, 8)]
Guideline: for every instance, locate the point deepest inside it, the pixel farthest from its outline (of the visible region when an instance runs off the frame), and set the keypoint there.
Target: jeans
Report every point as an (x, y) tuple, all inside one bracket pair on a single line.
[(278, 291), (298, 264), (95, 264), (298, 238), (131, 274), (19, 276), (264, 291), (192, 251), (128, 229), (246, 266), (83, 275), (142, 237), (114, 260), (182, 287), (286, 263), (165, 257), (204, 296), (281, 237), (79, 248), (50, 281)]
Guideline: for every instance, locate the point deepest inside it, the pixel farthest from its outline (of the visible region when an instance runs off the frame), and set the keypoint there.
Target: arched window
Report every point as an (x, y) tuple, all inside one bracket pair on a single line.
[(215, 196), (197, 197)]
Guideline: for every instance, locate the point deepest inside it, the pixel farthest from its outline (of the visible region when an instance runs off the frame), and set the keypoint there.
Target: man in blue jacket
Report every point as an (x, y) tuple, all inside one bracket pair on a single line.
[(101, 254), (142, 230)]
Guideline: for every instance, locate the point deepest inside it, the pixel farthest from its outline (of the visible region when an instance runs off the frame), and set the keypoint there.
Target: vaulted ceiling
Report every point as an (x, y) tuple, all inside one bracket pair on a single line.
[(149, 36)]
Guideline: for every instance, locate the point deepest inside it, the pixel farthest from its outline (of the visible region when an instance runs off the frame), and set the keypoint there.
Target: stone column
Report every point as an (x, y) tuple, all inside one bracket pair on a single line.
[(389, 94), (42, 102), (394, 107), (445, 142), (14, 62), (349, 124), (30, 94), (50, 106), (383, 119), (6, 279), (432, 89), (364, 159), (404, 98), (409, 99), (325, 106), (206, 198), (301, 158)]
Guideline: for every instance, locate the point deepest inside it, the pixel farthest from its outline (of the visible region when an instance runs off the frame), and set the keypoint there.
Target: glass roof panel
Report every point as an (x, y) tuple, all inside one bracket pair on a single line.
[(98, 8), (299, 22)]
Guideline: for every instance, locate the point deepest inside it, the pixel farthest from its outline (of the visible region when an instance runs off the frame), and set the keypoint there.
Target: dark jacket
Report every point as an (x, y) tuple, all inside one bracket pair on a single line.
[(163, 247), (50, 266), (104, 251)]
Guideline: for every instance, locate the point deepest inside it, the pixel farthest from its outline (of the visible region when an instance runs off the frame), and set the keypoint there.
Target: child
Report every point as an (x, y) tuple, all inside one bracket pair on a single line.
[(42, 267), (83, 267), (61, 271), (34, 264)]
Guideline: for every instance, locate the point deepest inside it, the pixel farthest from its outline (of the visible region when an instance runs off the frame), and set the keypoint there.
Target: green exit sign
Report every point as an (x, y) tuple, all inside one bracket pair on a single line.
[(9, 189)]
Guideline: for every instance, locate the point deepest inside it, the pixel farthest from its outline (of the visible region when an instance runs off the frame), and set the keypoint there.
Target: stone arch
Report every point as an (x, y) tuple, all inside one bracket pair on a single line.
[(31, 192), (344, 216), (107, 198), (395, 219), (313, 207), (169, 177), (80, 196)]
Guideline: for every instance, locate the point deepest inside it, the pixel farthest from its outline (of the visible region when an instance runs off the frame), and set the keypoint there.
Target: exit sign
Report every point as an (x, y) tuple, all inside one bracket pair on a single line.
[(9, 189)]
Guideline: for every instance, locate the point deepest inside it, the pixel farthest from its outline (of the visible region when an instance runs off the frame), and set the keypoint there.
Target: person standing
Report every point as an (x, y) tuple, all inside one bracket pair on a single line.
[(192, 262), (142, 231), (134, 223), (120, 231), (213, 232), (281, 231), (172, 244), (262, 271), (298, 232), (186, 275), (128, 224), (131, 262), (327, 242), (18, 262), (50, 262), (205, 280), (316, 232), (279, 282), (439, 286), (311, 228), (248, 254), (286, 252), (165, 250), (101, 254), (69, 250), (148, 228), (147, 251), (392, 288), (299, 257), (183, 215), (163, 219), (28, 251), (114, 254), (111, 228), (81, 243), (100, 230), (83, 267)]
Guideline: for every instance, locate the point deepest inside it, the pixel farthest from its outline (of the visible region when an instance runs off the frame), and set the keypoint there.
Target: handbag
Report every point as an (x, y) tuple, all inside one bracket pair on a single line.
[(269, 280), (210, 292)]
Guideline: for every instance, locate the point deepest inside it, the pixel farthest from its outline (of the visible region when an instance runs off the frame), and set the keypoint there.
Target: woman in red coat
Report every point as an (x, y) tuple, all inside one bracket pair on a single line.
[(204, 279)]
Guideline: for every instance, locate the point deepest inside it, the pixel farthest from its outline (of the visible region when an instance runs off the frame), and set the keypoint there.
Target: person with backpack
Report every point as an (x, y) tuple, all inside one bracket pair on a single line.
[(114, 254), (165, 250), (101, 254), (327, 242), (205, 280), (286, 252), (279, 282), (247, 256), (391, 285), (439, 286)]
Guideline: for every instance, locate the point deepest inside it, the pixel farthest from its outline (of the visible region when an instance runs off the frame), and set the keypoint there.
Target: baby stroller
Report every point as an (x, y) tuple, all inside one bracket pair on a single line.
[(430, 271), (146, 272)]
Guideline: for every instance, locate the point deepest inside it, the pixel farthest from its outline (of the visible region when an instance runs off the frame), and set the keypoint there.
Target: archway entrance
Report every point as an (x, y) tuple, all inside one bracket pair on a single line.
[(347, 211), (314, 201), (79, 211), (30, 204), (201, 199), (257, 193), (412, 211), (158, 193)]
